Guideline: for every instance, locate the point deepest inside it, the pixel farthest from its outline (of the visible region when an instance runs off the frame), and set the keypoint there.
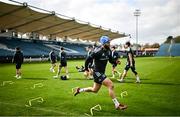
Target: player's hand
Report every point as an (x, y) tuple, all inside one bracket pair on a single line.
[(131, 65), (86, 73)]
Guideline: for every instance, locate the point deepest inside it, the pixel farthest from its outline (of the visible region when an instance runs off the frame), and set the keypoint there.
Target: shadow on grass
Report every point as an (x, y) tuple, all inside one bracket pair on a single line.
[(152, 83), (35, 78), (159, 83), (81, 79), (135, 78)]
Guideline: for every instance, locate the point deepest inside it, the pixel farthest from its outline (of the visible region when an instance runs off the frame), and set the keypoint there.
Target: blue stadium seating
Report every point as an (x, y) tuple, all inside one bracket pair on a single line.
[(169, 50), (32, 48)]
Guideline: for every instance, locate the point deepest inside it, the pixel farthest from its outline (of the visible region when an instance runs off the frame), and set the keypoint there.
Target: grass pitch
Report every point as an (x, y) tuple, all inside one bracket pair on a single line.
[(158, 94)]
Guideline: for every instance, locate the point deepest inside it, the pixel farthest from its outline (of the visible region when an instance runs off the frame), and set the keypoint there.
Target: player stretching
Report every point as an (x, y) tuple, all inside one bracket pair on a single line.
[(18, 59), (130, 63), (101, 57), (63, 63), (52, 58), (115, 58)]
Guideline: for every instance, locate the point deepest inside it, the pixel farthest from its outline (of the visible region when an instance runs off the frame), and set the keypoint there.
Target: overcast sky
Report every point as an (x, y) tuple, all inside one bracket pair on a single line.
[(158, 20)]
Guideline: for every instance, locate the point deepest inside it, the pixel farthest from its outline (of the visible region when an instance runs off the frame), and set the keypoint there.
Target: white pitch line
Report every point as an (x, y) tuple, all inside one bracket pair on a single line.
[(87, 114), (38, 99), (97, 108), (7, 82), (37, 108)]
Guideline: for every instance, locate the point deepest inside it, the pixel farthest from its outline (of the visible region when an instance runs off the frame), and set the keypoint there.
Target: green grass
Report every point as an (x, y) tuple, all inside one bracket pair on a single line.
[(158, 94)]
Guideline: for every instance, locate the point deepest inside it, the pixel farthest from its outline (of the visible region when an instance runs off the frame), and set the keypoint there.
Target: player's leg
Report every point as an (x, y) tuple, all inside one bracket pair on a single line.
[(123, 76), (86, 74), (77, 68), (135, 73), (124, 73), (59, 70), (89, 74), (19, 70), (119, 74), (108, 83), (116, 71), (113, 71), (93, 89), (53, 66), (67, 73)]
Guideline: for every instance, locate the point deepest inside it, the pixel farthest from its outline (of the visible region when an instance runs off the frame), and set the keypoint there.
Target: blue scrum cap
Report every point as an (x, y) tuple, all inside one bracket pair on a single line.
[(104, 39)]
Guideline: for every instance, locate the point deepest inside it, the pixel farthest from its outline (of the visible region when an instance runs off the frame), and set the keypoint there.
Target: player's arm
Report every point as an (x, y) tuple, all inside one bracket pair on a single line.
[(14, 58), (111, 59), (88, 60), (60, 55), (130, 58), (118, 61), (50, 56), (22, 58)]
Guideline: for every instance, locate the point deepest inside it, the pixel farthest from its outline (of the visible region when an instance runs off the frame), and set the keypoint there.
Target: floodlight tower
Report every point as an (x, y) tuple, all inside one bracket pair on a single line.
[(137, 13)]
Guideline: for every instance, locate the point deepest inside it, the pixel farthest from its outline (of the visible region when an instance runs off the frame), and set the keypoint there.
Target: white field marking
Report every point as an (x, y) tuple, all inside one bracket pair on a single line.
[(7, 82), (87, 114), (38, 99), (97, 108), (37, 108), (37, 85), (123, 94)]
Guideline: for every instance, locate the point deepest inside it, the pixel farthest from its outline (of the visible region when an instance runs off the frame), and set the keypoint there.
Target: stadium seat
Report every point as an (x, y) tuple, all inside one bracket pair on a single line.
[(169, 50), (38, 48)]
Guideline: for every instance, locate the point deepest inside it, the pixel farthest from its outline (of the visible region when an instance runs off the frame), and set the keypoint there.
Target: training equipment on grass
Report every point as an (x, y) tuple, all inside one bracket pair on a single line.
[(37, 85), (97, 108), (38, 99), (7, 82), (63, 78), (123, 94)]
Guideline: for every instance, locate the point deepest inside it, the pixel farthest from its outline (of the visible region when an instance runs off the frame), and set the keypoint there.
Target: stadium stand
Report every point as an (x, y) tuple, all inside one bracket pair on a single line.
[(37, 22), (171, 47), (169, 50), (39, 48)]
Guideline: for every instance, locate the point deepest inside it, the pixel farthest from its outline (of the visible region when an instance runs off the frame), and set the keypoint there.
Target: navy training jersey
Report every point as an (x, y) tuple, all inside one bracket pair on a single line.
[(100, 57), (129, 51), (52, 56), (115, 55), (18, 57), (88, 55), (63, 57)]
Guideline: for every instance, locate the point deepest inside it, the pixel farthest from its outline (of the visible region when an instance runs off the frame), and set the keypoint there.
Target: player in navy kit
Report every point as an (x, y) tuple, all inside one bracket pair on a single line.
[(115, 58), (100, 57), (130, 63), (18, 60), (63, 63), (52, 57)]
